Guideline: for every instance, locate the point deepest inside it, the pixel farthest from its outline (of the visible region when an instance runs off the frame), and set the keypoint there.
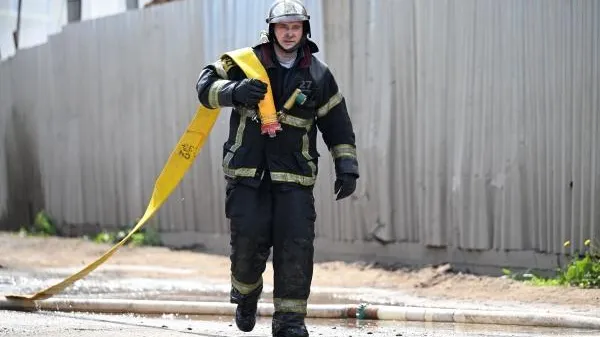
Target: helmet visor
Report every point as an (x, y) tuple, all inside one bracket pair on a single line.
[(289, 18)]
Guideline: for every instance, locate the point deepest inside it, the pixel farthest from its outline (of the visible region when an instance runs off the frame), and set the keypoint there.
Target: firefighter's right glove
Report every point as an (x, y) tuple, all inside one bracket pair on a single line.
[(249, 92), (344, 186)]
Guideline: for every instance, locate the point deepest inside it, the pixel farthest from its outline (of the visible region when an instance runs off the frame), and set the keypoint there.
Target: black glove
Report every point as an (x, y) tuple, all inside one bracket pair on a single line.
[(249, 92), (345, 184)]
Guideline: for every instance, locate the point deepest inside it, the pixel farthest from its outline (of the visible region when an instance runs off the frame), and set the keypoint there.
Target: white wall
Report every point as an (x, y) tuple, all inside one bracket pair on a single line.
[(93, 9), (41, 18)]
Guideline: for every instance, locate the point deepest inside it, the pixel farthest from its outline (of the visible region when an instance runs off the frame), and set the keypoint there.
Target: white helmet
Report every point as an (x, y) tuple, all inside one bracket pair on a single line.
[(286, 11)]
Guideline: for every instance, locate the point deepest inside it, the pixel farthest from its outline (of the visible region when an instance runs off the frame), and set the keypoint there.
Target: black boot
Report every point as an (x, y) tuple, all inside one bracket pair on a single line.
[(289, 324), (245, 314)]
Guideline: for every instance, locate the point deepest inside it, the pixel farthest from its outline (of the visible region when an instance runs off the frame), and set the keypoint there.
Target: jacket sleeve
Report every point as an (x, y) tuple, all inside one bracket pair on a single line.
[(336, 127), (214, 87)]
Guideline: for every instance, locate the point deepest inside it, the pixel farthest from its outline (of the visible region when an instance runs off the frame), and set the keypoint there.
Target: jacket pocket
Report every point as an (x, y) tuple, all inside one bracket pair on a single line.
[(233, 158), (305, 164), (304, 112)]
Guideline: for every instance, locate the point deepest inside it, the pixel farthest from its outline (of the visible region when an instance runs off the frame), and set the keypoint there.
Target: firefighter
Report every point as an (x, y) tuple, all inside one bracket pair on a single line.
[(269, 192)]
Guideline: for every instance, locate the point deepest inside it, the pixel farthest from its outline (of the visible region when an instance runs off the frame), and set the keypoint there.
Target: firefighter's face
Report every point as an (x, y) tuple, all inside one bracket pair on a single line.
[(288, 34)]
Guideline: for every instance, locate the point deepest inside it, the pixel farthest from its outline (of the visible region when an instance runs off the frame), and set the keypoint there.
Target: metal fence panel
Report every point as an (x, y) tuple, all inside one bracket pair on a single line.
[(477, 122), (492, 114), (5, 107)]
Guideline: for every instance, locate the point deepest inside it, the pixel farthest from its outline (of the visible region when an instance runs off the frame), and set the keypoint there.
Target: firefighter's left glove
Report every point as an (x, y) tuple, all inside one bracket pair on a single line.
[(344, 186), (249, 92)]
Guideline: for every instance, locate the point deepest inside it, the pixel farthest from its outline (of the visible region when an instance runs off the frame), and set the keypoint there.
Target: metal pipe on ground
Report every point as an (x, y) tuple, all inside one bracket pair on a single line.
[(333, 311)]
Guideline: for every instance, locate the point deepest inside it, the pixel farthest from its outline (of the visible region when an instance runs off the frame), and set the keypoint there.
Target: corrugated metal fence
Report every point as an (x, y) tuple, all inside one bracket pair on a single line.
[(477, 124), (478, 121), (5, 107)]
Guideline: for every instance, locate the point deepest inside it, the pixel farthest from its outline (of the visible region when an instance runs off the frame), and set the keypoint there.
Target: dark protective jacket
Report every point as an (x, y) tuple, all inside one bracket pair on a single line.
[(291, 156)]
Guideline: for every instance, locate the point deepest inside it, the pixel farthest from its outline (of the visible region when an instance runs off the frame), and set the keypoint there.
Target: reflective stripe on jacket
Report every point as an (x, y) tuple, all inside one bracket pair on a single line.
[(292, 155)]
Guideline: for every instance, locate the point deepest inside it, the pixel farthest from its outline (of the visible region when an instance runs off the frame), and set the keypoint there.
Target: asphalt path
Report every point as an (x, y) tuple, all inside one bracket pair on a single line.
[(55, 324)]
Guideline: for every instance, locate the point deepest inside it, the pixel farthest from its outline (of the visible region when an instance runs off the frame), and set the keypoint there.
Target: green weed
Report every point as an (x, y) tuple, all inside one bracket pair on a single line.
[(146, 236), (583, 270), (43, 225)]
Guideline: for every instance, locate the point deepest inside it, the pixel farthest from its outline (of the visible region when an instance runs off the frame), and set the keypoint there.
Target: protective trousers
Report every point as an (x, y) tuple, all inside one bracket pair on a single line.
[(281, 217)]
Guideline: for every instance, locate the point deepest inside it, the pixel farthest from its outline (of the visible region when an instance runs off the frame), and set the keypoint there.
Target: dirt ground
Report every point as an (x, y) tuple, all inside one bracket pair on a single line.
[(18, 252)]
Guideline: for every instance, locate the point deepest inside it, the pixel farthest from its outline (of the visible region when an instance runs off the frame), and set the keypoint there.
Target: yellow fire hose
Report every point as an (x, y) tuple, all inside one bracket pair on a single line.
[(177, 164)]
